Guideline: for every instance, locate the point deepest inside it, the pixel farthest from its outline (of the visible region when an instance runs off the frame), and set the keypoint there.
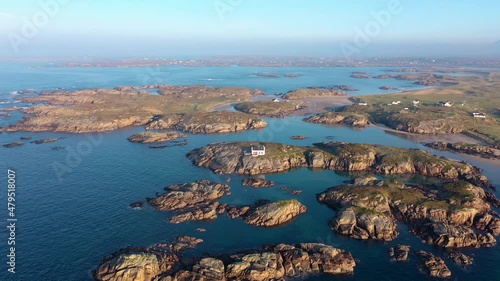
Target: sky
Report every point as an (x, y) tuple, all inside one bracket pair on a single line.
[(170, 28)]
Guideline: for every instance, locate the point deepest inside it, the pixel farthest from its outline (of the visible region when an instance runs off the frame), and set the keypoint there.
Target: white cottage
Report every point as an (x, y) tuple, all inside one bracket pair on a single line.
[(258, 151)]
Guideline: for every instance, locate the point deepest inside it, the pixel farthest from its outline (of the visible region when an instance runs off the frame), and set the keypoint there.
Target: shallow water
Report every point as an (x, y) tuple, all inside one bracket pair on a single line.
[(68, 221)]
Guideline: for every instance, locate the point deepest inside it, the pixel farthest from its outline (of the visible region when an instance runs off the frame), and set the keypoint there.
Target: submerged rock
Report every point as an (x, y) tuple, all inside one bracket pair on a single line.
[(136, 205), (13, 144), (45, 140)]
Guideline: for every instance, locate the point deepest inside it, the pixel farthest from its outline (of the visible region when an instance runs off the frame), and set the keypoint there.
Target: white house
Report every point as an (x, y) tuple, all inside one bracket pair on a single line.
[(276, 100), (479, 115), (396, 102), (362, 103), (258, 151), (415, 102)]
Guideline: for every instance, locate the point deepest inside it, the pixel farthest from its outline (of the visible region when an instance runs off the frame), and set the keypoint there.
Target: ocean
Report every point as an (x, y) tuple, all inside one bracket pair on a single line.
[(72, 204)]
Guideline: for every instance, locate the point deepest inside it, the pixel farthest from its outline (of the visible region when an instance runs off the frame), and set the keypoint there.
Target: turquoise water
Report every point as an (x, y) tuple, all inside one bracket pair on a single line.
[(68, 221)]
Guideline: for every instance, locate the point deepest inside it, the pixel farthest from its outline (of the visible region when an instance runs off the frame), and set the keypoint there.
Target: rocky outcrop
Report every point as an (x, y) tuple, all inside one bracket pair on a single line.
[(136, 205), (45, 140), (443, 215), (208, 122), (360, 216), (188, 195), (98, 110), (471, 149), (298, 137), (312, 92), (231, 157), (155, 137), (257, 182), (280, 262), (386, 88), (453, 236), (13, 144), (401, 122), (143, 263), (399, 253), (460, 259), (350, 119), (346, 88), (275, 213), (197, 213), (433, 266)]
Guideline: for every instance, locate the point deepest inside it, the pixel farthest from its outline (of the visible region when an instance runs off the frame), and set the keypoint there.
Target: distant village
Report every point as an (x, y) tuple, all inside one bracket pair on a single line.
[(415, 104)]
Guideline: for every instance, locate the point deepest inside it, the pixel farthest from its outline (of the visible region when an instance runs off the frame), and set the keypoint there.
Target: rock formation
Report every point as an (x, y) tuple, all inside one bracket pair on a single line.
[(445, 215), (279, 262), (434, 266), (346, 118), (155, 137), (275, 213), (230, 157), (399, 253), (188, 195), (257, 182)]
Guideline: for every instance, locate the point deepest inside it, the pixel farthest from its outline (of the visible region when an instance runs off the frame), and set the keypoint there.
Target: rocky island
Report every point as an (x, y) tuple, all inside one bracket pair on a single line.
[(230, 157), (197, 201), (269, 108), (279, 262), (345, 118), (155, 137), (452, 215), (185, 108), (312, 92)]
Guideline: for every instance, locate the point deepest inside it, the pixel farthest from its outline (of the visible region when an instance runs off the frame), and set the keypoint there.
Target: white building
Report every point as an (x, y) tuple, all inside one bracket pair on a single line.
[(479, 115), (396, 102), (362, 103), (276, 100), (415, 102), (258, 151)]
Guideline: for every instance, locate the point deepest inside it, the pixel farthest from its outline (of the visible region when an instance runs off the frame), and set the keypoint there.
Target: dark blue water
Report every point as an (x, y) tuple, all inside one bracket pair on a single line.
[(73, 210)]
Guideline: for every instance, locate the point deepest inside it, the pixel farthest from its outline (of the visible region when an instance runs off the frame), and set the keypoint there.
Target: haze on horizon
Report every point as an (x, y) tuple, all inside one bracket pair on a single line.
[(159, 28)]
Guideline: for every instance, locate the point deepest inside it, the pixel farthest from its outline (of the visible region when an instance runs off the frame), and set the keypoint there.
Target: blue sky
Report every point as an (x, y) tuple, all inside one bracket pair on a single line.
[(203, 27)]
